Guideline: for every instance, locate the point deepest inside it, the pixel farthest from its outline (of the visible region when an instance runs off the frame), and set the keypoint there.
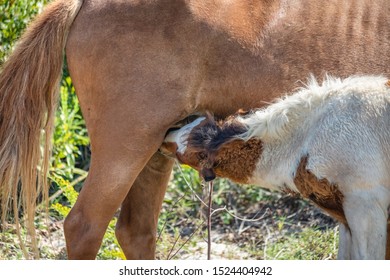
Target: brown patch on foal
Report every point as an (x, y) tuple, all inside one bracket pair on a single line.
[(326, 195), (237, 159)]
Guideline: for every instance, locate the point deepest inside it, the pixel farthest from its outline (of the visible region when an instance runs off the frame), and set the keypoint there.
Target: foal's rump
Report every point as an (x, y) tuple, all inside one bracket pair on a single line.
[(349, 137)]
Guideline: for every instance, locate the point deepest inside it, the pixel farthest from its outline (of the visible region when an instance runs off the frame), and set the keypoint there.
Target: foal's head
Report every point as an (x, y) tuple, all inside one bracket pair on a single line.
[(212, 148), (190, 144)]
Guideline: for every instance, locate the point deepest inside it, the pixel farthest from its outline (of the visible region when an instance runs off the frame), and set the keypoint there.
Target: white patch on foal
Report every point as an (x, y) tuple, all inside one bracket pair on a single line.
[(180, 136)]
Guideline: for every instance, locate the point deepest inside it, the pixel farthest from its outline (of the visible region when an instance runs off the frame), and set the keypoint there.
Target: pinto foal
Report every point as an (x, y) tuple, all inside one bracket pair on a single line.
[(330, 143)]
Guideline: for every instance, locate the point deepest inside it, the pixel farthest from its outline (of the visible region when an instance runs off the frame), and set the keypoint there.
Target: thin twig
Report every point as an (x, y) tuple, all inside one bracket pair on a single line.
[(240, 218), (222, 208), (188, 239), (189, 185), (212, 211), (73, 183), (59, 192), (173, 247), (209, 213), (166, 219)]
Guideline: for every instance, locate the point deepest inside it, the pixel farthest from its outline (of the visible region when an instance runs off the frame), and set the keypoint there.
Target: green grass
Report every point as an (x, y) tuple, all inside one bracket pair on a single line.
[(311, 243)]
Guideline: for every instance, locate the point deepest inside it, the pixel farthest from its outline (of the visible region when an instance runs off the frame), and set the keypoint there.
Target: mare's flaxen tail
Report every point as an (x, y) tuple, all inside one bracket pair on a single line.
[(29, 82)]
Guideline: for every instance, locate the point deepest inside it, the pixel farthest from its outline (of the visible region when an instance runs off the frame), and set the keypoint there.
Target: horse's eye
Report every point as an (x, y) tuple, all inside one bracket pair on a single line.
[(202, 156)]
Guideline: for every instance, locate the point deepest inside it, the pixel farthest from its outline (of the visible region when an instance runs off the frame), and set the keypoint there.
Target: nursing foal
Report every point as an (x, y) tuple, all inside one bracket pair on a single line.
[(330, 143)]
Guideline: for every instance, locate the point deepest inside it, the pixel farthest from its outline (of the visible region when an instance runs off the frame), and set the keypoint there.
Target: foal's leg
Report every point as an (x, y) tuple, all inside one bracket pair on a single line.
[(367, 219), (345, 243), (137, 224), (388, 241)]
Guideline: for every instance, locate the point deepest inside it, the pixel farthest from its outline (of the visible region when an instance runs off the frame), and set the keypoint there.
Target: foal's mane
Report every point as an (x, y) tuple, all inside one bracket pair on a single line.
[(212, 133)]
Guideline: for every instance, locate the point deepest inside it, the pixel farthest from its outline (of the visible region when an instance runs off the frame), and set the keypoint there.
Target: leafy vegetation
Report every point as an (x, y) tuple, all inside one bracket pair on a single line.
[(14, 17), (250, 222)]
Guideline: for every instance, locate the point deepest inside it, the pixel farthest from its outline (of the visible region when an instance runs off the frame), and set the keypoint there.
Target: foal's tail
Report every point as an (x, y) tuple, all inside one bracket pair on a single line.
[(29, 83)]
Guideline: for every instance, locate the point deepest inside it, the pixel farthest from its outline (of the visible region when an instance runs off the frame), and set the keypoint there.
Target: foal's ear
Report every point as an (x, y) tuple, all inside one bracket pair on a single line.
[(209, 116), (242, 112)]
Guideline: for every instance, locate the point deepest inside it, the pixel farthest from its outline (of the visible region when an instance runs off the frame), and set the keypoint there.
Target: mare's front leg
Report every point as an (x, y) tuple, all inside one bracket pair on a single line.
[(366, 214), (137, 224)]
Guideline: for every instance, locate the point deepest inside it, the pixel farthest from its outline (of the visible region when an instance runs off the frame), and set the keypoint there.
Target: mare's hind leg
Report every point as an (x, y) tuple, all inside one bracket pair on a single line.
[(137, 224)]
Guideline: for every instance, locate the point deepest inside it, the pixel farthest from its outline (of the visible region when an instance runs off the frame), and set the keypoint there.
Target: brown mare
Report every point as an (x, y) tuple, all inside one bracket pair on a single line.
[(141, 66)]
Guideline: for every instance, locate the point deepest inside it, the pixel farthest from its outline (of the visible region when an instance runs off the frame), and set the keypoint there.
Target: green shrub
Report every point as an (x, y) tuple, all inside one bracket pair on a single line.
[(14, 17)]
